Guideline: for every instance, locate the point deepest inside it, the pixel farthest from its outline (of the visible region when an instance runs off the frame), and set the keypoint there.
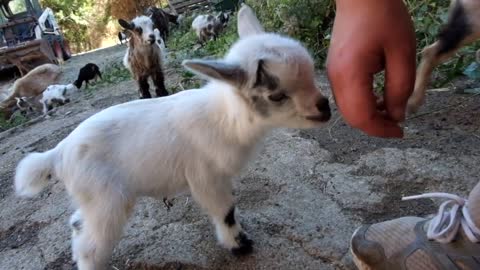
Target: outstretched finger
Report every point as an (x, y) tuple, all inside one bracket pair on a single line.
[(399, 75)]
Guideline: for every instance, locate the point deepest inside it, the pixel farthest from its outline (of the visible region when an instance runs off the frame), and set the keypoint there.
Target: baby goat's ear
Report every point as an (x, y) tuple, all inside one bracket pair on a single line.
[(125, 24), (263, 78), (248, 23), (219, 70)]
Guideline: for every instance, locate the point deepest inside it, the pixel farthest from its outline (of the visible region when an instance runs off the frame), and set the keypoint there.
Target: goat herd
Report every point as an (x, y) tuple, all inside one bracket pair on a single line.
[(195, 140), (147, 36), (36, 91), (146, 54)]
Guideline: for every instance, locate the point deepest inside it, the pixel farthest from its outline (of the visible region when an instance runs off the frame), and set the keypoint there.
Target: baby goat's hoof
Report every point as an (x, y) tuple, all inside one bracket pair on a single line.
[(245, 245), (168, 203)]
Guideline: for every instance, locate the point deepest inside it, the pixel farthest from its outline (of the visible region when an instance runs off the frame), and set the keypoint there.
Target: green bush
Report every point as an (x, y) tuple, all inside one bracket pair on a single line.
[(311, 22), (428, 17), (183, 44), (307, 20), (183, 41), (16, 120)]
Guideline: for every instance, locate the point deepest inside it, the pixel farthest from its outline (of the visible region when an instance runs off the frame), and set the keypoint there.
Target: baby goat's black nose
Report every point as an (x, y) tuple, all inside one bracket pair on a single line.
[(323, 105)]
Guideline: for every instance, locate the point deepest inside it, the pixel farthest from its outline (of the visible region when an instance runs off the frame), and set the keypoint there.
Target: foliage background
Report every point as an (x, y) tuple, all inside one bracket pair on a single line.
[(87, 24)]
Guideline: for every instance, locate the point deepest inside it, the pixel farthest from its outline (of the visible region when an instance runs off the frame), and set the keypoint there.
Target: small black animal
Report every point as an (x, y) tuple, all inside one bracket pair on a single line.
[(89, 72)]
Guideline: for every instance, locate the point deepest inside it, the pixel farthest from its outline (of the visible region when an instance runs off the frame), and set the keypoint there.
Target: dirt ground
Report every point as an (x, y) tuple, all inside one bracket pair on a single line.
[(300, 199)]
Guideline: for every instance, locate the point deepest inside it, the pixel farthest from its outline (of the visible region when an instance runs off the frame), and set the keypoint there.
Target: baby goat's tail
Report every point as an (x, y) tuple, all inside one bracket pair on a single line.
[(33, 173)]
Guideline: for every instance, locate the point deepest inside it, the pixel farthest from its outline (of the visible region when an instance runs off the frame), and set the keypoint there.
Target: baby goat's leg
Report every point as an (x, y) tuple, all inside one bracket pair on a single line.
[(430, 59), (216, 197), (46, 107), (144, 87), (61, 100), (76, 226), (456, 33), (97, 227), (159, 82)]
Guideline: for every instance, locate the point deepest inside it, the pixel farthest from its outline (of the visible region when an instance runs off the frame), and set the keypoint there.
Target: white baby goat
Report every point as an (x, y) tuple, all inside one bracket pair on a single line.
[(264, 82), (56, 94)]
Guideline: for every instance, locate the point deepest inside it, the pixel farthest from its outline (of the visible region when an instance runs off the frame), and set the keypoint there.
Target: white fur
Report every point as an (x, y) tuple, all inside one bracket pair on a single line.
[(56, 92), (31, 85), (180, 18), (32, 174), (147, 27), (75, 225), (19, 103), (203, 26), (125, 61), (4, 92), (161, 44), (141, 54), (146, 24), (201, 21), (195, 140), (24, 105), (123, 37), (209, 26)]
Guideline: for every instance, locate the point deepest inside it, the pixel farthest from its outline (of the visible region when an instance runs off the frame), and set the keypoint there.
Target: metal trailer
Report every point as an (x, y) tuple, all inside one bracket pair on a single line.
[(29, 36)]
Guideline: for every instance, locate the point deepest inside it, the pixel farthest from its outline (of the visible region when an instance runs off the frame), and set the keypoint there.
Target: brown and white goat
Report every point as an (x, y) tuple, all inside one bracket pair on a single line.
[(462, 28), (144, 56), (30, 85)]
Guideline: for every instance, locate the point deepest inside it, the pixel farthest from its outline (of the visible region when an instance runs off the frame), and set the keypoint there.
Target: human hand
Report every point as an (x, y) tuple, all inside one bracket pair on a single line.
[(369, 36)]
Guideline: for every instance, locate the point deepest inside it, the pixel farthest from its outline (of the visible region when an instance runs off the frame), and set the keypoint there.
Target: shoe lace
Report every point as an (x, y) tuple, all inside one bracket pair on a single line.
[(452, 214)]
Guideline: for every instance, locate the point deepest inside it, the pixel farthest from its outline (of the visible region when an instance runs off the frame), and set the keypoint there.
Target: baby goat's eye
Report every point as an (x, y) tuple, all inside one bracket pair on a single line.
[(139, 30), (278, 97)]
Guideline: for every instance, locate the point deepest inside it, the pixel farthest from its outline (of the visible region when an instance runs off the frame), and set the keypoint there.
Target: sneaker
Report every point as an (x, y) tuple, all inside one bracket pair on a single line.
[(447, 241)]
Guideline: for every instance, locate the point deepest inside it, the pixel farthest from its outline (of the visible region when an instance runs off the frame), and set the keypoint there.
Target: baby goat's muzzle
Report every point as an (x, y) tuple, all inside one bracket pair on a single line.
[(323, 107), (151, 39)]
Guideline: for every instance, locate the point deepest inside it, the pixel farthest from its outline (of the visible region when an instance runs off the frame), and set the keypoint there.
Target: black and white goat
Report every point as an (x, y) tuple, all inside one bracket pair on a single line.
[(26, 105), (264, 82), (144, 56), (462, 28), (87, 73), (161, 20), (56, 94), (208, 27)]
